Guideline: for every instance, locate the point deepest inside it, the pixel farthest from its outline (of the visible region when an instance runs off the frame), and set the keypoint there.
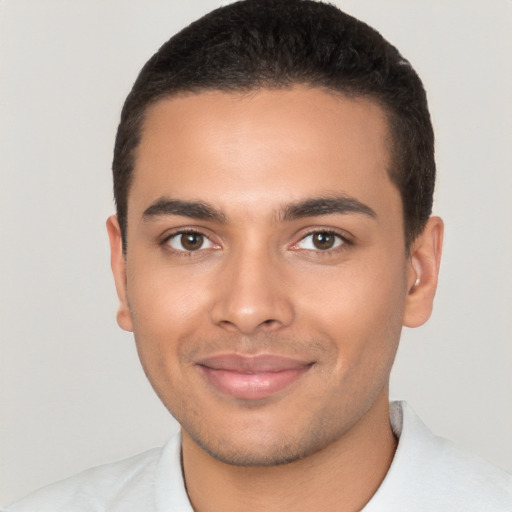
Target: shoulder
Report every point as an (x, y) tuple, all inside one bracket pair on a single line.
[(430, 473), (106, 487), (463, 478)]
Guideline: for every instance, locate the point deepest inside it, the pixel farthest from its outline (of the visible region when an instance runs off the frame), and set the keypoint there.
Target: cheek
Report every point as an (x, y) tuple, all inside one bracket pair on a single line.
[(356, 292), (360, 307), (163, 298), (166, 309), (164, 316)]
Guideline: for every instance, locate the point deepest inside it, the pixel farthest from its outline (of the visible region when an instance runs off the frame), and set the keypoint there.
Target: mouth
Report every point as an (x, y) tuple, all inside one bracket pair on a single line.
[(252, 377)]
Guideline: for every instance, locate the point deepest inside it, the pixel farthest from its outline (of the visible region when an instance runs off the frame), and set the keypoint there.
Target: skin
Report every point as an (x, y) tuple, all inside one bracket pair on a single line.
[(257, 284)]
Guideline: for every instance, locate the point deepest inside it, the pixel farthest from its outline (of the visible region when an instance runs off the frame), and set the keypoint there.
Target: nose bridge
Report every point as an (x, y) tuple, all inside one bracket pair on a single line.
[(252, 294)]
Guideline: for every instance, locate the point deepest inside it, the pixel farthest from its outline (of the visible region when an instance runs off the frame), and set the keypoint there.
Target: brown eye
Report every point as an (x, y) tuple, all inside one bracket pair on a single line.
[(324, 241), (321, 241), (189, 241)]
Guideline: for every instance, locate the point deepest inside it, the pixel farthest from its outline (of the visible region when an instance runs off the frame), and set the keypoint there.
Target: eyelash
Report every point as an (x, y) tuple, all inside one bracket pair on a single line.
[(183, 252), (345, 242)]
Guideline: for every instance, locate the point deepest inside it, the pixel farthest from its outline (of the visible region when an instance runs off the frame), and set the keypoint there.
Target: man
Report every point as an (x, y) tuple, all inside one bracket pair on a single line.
[(273, 175)]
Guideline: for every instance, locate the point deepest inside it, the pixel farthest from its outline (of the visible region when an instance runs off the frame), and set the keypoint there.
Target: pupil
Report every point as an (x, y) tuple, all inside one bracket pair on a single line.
[(192, 241), (323, 240)]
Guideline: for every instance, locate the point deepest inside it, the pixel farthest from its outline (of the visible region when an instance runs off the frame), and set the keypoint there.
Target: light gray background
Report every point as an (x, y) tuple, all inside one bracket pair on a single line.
[(72, 393)]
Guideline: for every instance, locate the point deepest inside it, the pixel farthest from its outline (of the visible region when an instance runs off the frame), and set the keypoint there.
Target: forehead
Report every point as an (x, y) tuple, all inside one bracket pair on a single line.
[(236, 147)]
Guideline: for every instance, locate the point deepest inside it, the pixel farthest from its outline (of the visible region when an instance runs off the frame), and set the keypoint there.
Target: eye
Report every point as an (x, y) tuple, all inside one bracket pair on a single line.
[(189, 241), (320, 241)]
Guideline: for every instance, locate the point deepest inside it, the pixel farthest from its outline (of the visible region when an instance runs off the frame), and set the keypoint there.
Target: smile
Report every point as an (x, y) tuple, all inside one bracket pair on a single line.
[(251, 377)]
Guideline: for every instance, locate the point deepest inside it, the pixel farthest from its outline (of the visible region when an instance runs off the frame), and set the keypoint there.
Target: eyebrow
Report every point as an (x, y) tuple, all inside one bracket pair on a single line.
[(326, 206), (308, 208), (194, 209)]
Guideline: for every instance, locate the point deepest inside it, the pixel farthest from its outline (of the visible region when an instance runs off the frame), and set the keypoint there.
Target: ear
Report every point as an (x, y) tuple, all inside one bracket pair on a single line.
[(118, 264), (423, 270)]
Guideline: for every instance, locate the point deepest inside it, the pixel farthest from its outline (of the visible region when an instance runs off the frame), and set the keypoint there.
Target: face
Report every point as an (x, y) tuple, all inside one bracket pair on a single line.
[(266, 278)]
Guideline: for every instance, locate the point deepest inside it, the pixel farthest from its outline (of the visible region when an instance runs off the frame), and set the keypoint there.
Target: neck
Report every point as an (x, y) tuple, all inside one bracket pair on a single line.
[(341, 477)]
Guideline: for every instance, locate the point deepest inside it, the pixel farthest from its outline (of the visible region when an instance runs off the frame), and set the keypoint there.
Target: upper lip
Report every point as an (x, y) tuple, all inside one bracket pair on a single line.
[(261, 363)]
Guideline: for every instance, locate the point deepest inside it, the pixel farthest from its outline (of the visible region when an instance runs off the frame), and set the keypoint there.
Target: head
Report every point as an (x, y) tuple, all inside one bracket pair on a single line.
[(265, 44), (273, 174)]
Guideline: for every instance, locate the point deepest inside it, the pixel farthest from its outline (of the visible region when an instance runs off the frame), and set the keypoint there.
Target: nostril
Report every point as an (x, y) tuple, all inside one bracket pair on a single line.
[(249, 308)]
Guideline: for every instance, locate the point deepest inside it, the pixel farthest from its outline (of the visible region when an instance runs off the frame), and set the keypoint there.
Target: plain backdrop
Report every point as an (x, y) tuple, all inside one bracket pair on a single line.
[(72, 393)]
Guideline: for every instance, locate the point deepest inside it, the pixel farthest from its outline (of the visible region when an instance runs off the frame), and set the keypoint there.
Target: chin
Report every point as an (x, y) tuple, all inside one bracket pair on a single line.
[(258, 457), (264, 445)]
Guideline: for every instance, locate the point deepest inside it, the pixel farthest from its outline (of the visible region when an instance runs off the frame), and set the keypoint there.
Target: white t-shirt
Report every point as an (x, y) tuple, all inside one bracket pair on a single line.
[(428, 473)]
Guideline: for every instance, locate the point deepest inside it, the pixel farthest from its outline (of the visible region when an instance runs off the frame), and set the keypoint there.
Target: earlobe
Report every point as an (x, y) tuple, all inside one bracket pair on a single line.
[(118, 264), (424, 261)]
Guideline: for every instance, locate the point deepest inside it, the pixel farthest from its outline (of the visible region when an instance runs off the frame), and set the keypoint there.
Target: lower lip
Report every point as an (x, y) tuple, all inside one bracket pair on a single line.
[(252, 386)]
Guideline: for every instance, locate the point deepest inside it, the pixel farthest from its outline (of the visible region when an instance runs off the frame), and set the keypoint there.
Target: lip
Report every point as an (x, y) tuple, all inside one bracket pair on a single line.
[(252, 377)]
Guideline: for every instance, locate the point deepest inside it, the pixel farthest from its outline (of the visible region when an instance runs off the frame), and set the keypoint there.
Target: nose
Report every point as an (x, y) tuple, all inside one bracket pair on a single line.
[(252, 295)]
